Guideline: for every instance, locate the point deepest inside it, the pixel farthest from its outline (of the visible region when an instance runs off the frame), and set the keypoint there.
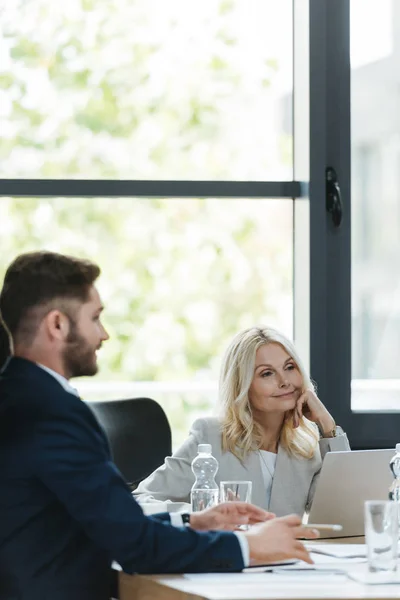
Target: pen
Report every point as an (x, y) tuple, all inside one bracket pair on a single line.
[(324, 526)]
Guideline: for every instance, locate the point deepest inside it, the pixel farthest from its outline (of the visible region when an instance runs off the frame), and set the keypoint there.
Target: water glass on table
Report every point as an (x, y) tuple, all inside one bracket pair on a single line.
[(381, 535), (235, 491)]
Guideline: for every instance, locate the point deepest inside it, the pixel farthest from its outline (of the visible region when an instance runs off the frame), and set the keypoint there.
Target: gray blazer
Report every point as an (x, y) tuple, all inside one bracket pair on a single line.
[(293, 483)]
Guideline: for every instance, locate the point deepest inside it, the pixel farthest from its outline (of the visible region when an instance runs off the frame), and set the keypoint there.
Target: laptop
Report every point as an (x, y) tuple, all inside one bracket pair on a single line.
[(347, 479)]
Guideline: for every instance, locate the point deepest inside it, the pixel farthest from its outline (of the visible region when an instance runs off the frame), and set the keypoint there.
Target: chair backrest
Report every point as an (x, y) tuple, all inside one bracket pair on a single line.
[(139, 434)]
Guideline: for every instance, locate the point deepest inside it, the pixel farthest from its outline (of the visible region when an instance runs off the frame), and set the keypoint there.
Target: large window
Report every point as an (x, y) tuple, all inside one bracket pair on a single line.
[(185, 147), (161, 140)]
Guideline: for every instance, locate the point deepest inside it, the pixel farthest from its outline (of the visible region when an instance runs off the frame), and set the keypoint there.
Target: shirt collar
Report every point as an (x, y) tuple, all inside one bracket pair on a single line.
[(61, 380)]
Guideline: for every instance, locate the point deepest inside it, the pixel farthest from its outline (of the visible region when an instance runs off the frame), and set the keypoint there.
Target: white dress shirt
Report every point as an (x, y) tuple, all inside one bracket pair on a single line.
[(61, 380), (267, 462)]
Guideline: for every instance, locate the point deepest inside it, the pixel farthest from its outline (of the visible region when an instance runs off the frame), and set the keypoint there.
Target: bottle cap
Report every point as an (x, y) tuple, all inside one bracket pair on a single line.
[(398, 448), (204, 448)]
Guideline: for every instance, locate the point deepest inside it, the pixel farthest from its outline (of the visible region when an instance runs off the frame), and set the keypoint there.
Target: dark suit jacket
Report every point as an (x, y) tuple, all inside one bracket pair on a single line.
[(65, 511)]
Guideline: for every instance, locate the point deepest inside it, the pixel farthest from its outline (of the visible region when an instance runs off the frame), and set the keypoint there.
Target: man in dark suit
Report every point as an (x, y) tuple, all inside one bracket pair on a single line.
[(65, 511)]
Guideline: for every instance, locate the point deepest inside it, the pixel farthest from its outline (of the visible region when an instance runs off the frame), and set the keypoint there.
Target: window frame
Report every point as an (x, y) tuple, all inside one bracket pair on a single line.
[(330, 248)]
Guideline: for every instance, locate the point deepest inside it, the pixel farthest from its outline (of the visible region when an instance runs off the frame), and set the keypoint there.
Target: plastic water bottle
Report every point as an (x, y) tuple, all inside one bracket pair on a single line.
[(394, 490), (204, 490)]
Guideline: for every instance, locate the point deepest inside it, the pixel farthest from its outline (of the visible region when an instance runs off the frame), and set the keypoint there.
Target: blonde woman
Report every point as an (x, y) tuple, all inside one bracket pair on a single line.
[(273, 429)]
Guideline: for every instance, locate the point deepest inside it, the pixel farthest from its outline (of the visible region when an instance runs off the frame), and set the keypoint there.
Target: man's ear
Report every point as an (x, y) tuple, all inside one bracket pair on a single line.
[(57, 325)]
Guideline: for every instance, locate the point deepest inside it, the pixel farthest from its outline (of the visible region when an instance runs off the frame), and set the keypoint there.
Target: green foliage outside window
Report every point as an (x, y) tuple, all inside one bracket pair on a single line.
[(141, 90)]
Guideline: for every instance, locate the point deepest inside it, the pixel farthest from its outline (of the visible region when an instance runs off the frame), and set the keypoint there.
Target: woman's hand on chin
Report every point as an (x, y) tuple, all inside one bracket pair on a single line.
[(311, 407)]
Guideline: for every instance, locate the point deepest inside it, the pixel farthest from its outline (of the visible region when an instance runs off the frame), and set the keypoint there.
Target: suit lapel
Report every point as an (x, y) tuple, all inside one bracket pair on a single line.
[(291, 483)]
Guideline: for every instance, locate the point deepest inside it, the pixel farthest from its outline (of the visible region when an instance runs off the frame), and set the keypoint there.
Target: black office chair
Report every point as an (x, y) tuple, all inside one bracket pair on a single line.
[(139, 434)]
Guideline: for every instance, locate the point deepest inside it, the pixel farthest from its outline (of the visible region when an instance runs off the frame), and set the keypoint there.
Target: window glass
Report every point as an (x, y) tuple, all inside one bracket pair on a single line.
[(375, 109), (180, 277), (146, 89)]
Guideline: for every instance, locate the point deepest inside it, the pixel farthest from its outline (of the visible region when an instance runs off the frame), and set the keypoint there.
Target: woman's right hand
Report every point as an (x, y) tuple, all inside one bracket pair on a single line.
[(277, 540)]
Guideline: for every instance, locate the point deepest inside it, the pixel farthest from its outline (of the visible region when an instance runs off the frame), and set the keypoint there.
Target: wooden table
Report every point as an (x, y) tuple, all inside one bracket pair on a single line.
[(263, 586)]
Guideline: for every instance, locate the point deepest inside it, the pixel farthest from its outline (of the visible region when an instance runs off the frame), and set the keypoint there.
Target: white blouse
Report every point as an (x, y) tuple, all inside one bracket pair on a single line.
[(267, 461)]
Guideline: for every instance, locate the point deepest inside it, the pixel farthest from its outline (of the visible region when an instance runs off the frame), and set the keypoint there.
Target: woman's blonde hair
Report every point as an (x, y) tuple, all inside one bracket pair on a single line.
[(241, 434)]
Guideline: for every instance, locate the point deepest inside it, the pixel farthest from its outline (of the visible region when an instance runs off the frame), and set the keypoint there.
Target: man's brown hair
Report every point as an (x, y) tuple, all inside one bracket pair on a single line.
[(38, 282)]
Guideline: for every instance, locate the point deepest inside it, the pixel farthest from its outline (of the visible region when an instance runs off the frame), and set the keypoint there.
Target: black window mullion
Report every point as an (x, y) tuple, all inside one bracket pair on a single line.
[(155, 188), (330, 308)]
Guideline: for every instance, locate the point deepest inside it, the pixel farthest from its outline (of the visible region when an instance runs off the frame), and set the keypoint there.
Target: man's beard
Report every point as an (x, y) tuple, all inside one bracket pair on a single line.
[(78, 356)]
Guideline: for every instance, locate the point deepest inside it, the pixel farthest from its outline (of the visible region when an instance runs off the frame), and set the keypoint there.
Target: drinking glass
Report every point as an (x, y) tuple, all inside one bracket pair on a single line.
[(381, 535), (235, 491)]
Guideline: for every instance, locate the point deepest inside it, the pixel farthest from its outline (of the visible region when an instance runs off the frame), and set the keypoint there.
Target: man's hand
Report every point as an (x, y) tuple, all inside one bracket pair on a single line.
[(277, 540), (228, 516)]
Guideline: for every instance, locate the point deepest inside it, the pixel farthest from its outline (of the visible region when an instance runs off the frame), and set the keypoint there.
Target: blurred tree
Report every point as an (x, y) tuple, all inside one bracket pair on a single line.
[(179, 276), (150, 89), (143, 89)]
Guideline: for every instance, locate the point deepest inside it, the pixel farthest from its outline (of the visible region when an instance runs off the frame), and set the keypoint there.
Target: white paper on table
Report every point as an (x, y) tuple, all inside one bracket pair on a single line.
[(269, 576), (231, 577), (339, 550), (324, 564)]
